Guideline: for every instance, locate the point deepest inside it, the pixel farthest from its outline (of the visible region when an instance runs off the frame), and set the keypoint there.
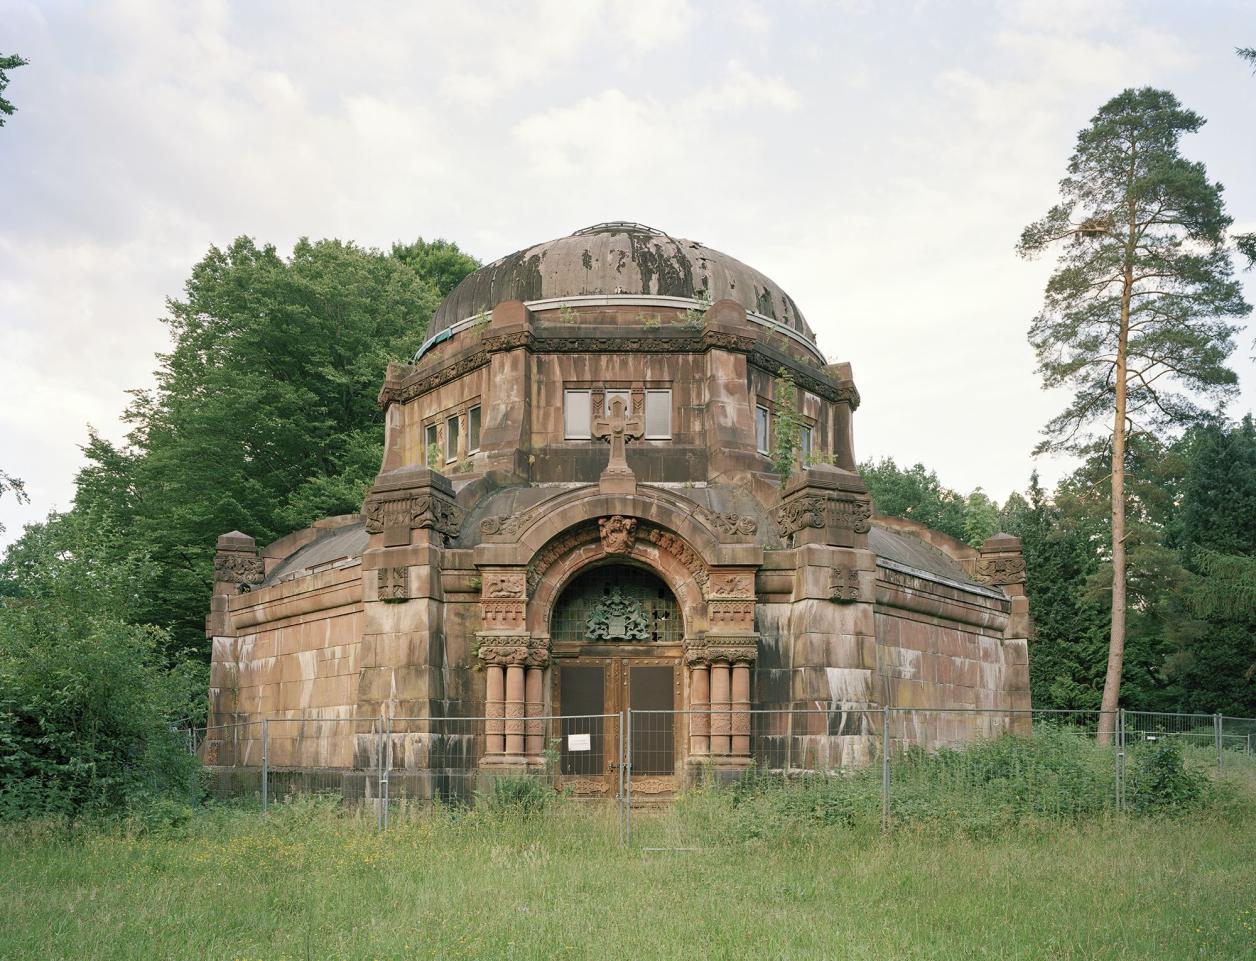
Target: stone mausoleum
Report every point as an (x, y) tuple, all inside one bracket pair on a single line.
[(577, 513)]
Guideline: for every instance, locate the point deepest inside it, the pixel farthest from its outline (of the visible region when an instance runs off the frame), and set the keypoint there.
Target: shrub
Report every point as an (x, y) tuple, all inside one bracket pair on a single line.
[(89, 708), (1158, 779), (514, 795)]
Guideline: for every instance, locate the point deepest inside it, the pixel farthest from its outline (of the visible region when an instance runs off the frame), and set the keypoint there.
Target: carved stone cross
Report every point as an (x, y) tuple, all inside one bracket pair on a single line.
[(618, 429)]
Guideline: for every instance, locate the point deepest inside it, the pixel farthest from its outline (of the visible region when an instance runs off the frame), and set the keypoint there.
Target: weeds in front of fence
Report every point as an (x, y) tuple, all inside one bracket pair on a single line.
[(984, 788)]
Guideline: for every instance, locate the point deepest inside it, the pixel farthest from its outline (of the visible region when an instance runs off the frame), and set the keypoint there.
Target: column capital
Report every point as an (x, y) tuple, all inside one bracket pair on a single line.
[(508, 650)]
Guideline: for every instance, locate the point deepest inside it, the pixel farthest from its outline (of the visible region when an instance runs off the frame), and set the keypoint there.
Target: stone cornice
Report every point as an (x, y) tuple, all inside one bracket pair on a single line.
[(421, 381)]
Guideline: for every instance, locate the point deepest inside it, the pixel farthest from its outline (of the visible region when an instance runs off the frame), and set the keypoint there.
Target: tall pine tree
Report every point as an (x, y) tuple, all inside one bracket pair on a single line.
[(1141, 300)]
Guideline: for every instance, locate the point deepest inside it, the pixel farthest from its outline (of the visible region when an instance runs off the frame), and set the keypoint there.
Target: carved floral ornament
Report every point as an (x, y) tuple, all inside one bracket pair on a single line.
[(577, 537), (813, 510), (714, 648), (506, 650), (394, 583), (239, 569), (415, 512), (727, 523), (843, 584), (999, 571)]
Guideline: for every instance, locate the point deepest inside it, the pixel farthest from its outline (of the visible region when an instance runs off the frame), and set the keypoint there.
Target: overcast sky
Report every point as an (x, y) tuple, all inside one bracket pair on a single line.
[(877, 159)]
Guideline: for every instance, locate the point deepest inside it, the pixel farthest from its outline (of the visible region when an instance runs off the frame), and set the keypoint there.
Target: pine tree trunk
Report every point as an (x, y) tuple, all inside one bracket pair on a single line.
[(1116, 639)]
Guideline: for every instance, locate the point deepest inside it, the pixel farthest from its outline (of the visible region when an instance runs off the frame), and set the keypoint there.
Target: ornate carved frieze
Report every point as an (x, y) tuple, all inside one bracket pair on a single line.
[(616, 617), (415, 512), (506, 650), (999, 571), (618, 533), (245, 569), (818, 510), (718, 647), (794, 515), (844, 584), (512, 341), (394, 583), (731, 615), (502, 614), (852, 513), (727, 523), (437, 378), (677, 547), (510, 525), (556, 549)]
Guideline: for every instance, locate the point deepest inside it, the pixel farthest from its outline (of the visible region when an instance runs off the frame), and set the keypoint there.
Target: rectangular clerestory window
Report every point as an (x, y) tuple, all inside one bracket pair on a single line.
[(658, 414), (577, 414), (761, 420), (804, 443), (451, 439), (473, 430), (431, 440)]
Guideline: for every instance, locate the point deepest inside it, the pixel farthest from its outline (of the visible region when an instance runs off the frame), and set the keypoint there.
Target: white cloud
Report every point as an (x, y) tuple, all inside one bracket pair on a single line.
[(878, 164)]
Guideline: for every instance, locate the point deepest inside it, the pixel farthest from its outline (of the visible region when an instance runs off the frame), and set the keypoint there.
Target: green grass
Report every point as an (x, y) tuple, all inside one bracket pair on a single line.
[(308, 882)]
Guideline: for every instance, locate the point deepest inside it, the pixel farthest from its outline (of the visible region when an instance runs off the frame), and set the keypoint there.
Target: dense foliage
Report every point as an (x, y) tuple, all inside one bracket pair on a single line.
[(1191, 538), (89, 702), (262, 419)]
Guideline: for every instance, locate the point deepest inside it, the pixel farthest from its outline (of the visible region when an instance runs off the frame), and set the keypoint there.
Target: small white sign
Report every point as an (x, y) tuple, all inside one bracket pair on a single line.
[(579, 742)]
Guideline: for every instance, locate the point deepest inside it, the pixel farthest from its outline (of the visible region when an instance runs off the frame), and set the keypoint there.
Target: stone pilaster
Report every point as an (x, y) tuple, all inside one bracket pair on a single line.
[(1001, 564), (507, 407), (729, 418), (410, 515), (826, 514), (238, 568)]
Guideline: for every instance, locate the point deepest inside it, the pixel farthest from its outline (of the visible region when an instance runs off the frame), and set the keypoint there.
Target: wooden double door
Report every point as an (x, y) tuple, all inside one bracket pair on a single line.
[(590, 693)]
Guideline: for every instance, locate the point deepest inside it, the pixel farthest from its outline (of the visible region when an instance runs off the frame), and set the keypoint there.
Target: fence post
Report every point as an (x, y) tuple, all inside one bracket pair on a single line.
[(628, 783), (379, 774), (1216, 736), (885, 768), (265, 760), (1120, 760), (623, 835), (386, 761)]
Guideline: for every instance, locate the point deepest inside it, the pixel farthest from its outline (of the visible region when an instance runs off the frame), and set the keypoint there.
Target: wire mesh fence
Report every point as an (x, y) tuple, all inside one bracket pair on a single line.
[(668, 778)]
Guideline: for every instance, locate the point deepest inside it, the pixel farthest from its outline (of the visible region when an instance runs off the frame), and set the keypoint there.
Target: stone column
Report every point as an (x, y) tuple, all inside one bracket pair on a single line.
[(534, 694), (515, 706), (514, 698), (700, 705), (495, 710), (721, 703), (740, 726)]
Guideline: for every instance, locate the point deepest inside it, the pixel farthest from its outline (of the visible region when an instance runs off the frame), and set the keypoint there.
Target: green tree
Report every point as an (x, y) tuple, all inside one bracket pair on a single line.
[(440, 262), (11, 484), (7, 63), (89, 703), (915, 493), (1246, 243), (263, 417), (1142, 298), (1213, 666)]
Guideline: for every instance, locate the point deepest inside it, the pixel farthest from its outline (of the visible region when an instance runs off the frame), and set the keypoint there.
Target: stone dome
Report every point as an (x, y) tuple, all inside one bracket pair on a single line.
[(623, 261)]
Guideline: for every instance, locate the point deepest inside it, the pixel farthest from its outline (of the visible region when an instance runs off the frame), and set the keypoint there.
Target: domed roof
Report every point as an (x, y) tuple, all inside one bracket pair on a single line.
[(618, 260)]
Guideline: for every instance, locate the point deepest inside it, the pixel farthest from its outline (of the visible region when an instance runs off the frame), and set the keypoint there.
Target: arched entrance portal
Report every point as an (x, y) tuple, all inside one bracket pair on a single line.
[(616, 636)]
